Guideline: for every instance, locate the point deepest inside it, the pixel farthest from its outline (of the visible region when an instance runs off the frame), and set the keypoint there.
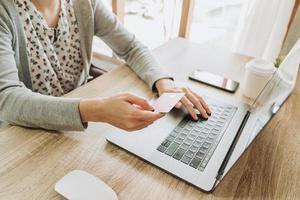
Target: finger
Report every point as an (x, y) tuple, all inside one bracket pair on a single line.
[(197, 104), (147, 115), (203, 103), (190, 107), (178, 105), (139, 101), (154, 118)]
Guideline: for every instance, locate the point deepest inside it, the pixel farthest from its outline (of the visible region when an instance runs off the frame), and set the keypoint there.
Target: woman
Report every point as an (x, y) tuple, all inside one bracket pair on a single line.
[(45, 52)]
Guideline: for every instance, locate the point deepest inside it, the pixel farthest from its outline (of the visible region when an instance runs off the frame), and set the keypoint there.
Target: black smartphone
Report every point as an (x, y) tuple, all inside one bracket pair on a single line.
[(214, 80)]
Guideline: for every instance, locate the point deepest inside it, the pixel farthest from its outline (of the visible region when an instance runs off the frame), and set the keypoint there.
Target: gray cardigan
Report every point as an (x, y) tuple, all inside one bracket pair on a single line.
[(20, 106)]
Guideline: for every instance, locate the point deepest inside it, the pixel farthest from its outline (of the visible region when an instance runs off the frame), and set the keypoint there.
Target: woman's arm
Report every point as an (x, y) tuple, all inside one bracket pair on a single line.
[(139, 58), (126, 111), (21, 106), (125, 45)]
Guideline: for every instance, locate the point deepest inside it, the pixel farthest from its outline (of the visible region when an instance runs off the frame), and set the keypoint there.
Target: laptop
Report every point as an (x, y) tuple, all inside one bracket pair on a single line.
[(202, 152)]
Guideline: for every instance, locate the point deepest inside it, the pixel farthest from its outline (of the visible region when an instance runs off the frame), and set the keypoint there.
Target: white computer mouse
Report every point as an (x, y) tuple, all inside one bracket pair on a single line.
[(80, 185)]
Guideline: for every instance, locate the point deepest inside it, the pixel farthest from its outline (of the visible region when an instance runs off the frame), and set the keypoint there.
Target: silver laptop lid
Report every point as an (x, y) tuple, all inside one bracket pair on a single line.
[(267, 103), (282, 83), (274, 94)]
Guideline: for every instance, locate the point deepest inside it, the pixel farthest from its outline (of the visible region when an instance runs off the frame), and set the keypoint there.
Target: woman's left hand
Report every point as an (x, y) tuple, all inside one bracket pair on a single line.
[(190, 101)]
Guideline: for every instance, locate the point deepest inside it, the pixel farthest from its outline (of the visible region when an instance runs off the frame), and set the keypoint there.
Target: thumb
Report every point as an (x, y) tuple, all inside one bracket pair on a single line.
[(178, 105), (139, 101)]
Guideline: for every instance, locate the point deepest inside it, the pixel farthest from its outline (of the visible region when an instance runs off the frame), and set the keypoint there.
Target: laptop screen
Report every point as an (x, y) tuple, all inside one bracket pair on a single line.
[(283, 81), (274, 94)]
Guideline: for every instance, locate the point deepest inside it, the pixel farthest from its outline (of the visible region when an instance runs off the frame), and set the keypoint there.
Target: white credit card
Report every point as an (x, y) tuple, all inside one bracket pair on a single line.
[(167, 101)]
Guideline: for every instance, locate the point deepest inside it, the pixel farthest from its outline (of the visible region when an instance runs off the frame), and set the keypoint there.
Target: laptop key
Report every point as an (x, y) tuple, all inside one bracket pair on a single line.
[(197, 130), (206, 129), (204, 163), (194, 132), (172, 148), (179, 140), (186, 159), (226, 114), (210, 139), (188, 141), (178, 129), (166, 143), (161, 148), (206, 144), (179, 153), (183, 135), (200, 139), (185, 146), (174, 133), (171, 138), (188, 128), (189, 153), (200, 126), (195, 162), (200, 154), (203, 149), (193, 149), (216, 130), (192, 137), (182, 123)]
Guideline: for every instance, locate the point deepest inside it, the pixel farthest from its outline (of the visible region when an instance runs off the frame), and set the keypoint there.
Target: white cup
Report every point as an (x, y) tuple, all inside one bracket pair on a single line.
[(258, 73)]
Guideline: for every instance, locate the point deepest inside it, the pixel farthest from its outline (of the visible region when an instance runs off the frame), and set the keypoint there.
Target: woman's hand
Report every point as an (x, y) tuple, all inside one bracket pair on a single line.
[(125, 111), (190, 101)]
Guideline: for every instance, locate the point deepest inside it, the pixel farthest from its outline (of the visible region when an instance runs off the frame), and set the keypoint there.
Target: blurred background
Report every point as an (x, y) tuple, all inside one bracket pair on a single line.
[(255, 28), (154, 22)]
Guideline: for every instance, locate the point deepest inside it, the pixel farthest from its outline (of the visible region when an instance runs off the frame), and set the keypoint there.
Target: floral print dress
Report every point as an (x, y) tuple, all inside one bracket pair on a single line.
[(54, 53)]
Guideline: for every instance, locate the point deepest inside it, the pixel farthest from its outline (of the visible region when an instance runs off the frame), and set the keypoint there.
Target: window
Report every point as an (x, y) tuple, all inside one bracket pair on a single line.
[(154, 22)]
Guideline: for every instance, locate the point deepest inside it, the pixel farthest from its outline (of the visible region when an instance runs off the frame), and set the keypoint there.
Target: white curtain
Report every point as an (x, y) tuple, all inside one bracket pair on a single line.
[(262, 28)]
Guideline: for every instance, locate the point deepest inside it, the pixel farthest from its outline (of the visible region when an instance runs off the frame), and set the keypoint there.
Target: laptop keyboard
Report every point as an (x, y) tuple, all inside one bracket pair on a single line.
[(194, 142)]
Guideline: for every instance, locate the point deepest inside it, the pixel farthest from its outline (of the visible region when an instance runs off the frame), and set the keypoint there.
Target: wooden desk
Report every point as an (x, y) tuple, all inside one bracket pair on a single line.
[(31, 161)]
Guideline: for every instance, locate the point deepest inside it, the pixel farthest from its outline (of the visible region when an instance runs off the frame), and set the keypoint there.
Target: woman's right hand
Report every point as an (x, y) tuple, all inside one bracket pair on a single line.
[(125, 111)]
